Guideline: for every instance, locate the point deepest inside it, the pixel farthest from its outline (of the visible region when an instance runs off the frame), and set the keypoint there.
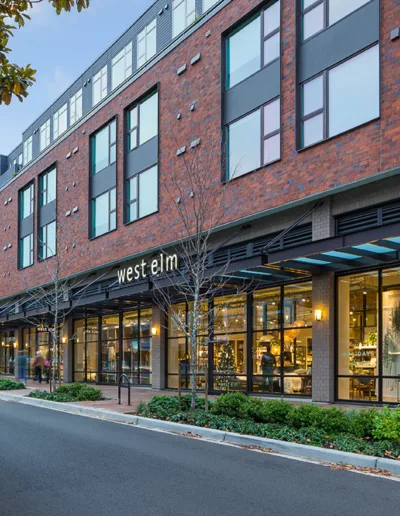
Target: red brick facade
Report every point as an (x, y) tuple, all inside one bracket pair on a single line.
[(360, 153)]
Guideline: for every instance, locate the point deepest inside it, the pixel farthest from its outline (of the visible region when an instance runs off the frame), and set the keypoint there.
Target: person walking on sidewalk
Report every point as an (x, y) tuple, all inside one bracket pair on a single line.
[(38, 366), (22, 364)]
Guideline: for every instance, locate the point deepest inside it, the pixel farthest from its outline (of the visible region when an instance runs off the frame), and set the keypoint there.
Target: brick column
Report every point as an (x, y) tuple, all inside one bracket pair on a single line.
[(68, 351), (158, 349), (323, 370)]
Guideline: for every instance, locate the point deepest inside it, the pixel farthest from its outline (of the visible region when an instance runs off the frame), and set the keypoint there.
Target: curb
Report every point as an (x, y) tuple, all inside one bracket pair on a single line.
[(281, 447)]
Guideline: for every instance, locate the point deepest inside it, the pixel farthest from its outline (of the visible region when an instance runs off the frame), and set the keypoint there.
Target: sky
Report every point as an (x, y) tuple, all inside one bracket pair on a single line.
[(60, 48)]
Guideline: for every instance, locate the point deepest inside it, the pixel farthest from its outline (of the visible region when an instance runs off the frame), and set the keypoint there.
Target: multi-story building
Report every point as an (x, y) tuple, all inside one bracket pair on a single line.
[(297, 104)]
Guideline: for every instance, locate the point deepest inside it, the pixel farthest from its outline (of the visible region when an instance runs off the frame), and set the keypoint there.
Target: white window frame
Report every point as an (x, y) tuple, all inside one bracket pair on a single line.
[(100, 79), (45, 135), (126, 55), (60, 121), (190, 14), (149, 31), (27, 152), (75, 107)]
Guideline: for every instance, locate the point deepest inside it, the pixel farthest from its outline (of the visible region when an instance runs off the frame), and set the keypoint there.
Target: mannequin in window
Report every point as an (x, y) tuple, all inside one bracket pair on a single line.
[(268, 364)]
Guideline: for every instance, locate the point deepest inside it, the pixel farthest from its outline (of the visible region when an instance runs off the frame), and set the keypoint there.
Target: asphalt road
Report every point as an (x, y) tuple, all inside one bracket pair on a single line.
[(58, 464)]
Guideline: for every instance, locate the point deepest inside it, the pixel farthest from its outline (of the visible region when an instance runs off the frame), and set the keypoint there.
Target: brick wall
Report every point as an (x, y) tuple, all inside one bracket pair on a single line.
[(357, 154)]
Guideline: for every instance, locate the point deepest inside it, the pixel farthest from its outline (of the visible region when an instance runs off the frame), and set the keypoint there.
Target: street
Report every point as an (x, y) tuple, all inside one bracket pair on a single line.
[(59, 464)]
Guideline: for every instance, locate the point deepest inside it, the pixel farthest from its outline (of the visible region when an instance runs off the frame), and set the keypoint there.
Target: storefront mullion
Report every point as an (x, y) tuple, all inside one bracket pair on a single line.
[(379, 335)]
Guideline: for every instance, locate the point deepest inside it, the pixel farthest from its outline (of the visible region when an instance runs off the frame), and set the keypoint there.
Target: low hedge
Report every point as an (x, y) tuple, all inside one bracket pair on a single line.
[(10, 385), (70, 393), (366, 431)]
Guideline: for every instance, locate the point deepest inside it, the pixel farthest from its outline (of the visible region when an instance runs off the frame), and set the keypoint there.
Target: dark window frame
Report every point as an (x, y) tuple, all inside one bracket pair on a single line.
[(110, 213), (20, 252), (325, 95), (43, 243), (262, 138), (111, 143), (137, 199), (259, 13), (137, 127)]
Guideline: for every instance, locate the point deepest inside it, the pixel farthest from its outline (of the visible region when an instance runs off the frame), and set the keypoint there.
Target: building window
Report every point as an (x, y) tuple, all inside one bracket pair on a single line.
[(121, 66), (48, 241), (352, 99), (44, 135), (60, 121), (208, 4), (183, 14), (253, 45), (143, 122), (75, 106), (27, 157), (104, 147), (142, 194), (320, 14), (254, 140), (47, 187), (100, 85), (26, 202), (20, 159), (26, 251), (104, 213), (86, 344), (147, 43)]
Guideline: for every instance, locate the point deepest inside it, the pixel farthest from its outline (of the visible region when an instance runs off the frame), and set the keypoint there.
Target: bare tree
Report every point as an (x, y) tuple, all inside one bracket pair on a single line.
[(53, 298), (200, 204)]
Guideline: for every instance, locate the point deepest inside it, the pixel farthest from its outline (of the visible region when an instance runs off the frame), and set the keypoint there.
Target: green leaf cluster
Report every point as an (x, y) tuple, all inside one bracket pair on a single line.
[(70, 393), (9, 385)]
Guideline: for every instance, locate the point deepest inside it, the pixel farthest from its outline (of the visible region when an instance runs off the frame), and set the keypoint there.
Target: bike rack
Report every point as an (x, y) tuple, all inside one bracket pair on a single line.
[(126, 385)]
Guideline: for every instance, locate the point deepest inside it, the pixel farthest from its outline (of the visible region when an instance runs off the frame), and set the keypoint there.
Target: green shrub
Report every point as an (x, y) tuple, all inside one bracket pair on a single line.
[(70, 393), (273, 411), (163, 406), (186, 402), (361, 422), (331, 420), (387, 424), (232, 404), (9, 385), (141, 408)]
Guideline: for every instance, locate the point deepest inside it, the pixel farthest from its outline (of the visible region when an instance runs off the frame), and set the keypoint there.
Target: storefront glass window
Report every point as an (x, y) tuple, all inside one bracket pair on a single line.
[(358, 365), (7, 352), (391, 335), (86, 338)]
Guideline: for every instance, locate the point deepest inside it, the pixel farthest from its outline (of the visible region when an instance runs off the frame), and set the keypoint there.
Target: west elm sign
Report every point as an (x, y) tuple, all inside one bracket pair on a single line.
[(164, 263)]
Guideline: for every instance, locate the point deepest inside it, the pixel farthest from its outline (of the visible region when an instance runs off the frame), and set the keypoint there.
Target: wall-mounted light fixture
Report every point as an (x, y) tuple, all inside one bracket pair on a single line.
[(154, 331), (318, 315), (64, 340)]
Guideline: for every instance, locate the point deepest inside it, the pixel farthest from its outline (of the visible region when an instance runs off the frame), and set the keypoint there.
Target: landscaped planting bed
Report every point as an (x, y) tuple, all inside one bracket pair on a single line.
[(70, 393), (10, 385), (365, 431)]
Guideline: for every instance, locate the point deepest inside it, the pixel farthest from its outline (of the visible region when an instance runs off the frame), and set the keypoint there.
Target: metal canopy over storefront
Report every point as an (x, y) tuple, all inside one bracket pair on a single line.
[(369, 248)]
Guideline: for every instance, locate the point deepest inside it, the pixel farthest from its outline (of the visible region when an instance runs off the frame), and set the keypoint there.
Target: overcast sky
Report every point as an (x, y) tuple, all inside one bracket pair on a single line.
[(60, 48)]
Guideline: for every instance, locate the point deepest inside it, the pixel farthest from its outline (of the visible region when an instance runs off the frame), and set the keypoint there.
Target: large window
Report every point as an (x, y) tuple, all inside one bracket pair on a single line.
[(104, 147), (143, 122), (352, 99), (60, 121), (254, 45), (27, 149), (26, 202), (44, 135), (48, 241), (75, 107), (100, 81), (136, 346), (183, 14), (368, 354), (121, 66), (147, 43), (86, 339), (47, 187), (279, 342), (254, 140), (317, 15), (142, 194), (104, 213), (207, 4), (26, 251)]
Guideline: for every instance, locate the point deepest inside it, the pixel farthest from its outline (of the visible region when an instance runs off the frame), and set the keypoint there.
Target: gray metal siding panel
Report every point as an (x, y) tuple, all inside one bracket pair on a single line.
[(253, 92), (26, 226), (103, 181), (142, 157), (340, 41), (47, 214)]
